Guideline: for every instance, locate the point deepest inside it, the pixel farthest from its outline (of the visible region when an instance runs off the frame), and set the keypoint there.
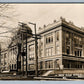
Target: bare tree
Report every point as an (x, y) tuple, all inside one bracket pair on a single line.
[(3, 9), (7, 13)]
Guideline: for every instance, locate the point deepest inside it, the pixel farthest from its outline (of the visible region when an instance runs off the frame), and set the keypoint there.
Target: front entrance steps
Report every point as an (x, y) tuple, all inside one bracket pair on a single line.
[(47, 73)]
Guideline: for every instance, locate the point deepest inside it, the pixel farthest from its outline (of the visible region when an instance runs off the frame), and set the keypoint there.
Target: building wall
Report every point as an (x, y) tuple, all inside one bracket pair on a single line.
[(12, 57), (49, 50), (73, 42), (4, 60), (69, 50), (72, 48)]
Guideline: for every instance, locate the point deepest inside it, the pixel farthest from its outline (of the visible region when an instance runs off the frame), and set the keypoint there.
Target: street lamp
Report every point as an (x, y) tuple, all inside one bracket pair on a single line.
[(36, 56)]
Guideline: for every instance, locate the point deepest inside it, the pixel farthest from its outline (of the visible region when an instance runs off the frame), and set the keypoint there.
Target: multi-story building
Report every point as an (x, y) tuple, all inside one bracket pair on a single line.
[(61, 47)]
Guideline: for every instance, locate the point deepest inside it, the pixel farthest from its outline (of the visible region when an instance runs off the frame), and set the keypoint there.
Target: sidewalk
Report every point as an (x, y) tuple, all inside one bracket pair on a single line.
[(16, 78), (55, 79)]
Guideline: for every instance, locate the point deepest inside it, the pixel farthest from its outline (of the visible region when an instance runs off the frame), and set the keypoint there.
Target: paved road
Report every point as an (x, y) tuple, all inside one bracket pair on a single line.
[(21, 77)]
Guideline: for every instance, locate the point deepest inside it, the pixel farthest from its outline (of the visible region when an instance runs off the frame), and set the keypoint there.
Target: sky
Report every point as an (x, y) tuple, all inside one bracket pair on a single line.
[(45, 14)]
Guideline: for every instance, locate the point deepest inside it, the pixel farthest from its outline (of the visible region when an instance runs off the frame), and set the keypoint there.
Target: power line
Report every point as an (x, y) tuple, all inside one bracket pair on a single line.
[(7, 31), (6, 27)]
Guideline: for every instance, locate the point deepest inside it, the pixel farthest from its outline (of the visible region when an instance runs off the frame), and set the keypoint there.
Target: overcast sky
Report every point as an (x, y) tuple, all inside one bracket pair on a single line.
[(45, 13)]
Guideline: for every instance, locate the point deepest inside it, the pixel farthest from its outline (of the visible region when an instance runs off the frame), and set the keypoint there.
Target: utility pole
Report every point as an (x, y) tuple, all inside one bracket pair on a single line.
[(26, 54), (36, 54), (26, 32)]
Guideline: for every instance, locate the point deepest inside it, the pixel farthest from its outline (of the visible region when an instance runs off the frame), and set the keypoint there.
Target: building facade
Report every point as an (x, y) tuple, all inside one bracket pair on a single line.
[(4, 60), (61, 46)]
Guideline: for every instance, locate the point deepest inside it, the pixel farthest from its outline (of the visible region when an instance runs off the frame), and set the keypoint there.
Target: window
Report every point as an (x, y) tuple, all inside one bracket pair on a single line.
[(31, 66), (77, 41), (1, 56), (68, 51), (46, 40), (31, 48), (78, 52), (41, 47), (57, 36), (49, 39), (41, 65), (14, 66), (5, 55), (31, 56), (49, 64), (5, 63), (31, 52), (67, 38), (49, 51), (75, 53)]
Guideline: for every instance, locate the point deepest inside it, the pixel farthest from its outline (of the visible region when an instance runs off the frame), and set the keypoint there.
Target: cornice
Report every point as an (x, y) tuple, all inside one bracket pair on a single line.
[(61, 22)]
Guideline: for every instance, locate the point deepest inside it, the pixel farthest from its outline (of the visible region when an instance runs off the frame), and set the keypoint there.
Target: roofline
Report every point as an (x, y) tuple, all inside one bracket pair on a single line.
[(61, 22), (72, 26)]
